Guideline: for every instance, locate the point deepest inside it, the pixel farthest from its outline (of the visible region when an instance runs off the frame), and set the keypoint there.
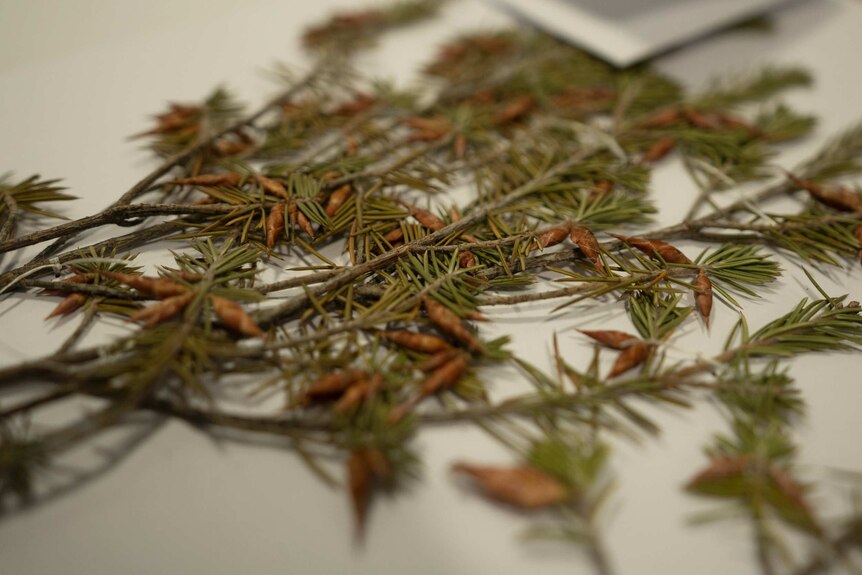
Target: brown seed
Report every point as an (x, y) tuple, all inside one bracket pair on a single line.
[(702, 120), (394, 235), (661, 148), (837, 197), (449, 323), (337, 199), (157, 287), (274, 224), (162, 311), (857, 231), (233, 316), (360, 103), (721, 469), (445, 376), (437, 360), (661, 119), (524, 487), (272, 187), (460, 146), (630, 358), (655, 249), (359, 485), (228, 147), (553, 236), (588, 244), (611, 338), (703, 295), (603, 187), (331, 385), (69, 304), (351, 146), (426, 218), (513, 110), (467, 260), (210, 180), (419, 342), (296, 216), (362, 390)]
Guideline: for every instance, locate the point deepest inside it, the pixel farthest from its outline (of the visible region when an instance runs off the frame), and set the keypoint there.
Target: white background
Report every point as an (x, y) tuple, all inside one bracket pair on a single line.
[(76, 78)]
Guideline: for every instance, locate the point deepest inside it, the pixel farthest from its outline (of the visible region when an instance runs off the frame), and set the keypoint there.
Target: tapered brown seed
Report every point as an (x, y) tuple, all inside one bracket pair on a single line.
[(233, 316), (419, 342), (157, 287), (553, 236), (210, 180), (655, 249), (300, 219), (460, 146), (661, 119), (445, 376), (426, 218), (630, 358), (839, 198), (603, 187), (227, 147), (337, 199), (179, 116), (588, 244), (524, 487), (362, 390), (721, 469), (661, 148), (857, 231), (360, 103), (449, 323), (331, 385), (610, 338), (703, 295), (702, 120), (162, 311), (394, 235), (69, 304), (359, 486), (351, 146), (80, 278), (272, 187), (437, 360), (274, 224), (513, 110)]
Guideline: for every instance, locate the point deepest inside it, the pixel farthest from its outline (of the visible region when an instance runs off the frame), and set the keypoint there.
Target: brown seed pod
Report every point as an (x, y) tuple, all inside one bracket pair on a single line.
[(524, 487), (362, 390), (162, 311), (331, 385), (603, 187), (275, 224), (233, 316), (734, 123), (351, 146), (839, 198), (210, 180), (702, 120), (661, 119), (426, 218), (272, 187), (337, 199), (703, 295), (460, 146), (445, 376), (467, 260), (178, 117), (357, 105), (857, 231), (69, 304), (394, 235), (359, 486), (437, 360), (630, 358), (228, 147), (449, 323), (611, 338), (655, 249), (301, 220), (420, 342), (157, 287), (553, 236), (588, 244), (661, 148), (513, 110), (719, 470)]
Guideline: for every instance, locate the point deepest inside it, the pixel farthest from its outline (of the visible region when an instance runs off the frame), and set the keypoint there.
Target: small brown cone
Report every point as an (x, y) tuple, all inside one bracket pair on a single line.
[(162, 311), (446, 376), (588, 244), (275, 225), (661, 148), (611, 338), (655, 249), (449, 323), (630, 358), (233, 316), (337, 199), (69, 304), (703, 295), (554, 235), (420, 342)]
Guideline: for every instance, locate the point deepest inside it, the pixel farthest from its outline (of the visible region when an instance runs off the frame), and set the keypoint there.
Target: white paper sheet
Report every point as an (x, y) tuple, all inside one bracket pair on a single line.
[(625, 32)]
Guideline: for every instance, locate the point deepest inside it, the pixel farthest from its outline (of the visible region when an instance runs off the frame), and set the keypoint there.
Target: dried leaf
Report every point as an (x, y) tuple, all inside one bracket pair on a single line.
[(163, 310), (233, 316), (611, 338), (449, 323), (655, 249), (69, 304), (524, 487), (630, 358), (661, 148), (703, 295), (588, 244), (420, 342)]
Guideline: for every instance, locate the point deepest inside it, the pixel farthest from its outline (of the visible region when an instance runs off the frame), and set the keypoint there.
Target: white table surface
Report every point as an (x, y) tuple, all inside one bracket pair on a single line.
[(76, 78)]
